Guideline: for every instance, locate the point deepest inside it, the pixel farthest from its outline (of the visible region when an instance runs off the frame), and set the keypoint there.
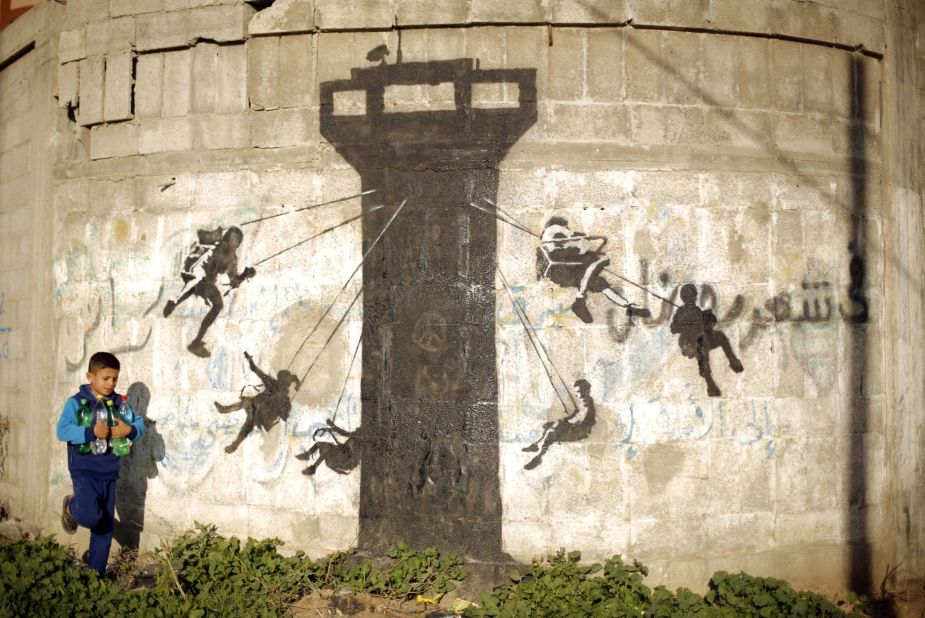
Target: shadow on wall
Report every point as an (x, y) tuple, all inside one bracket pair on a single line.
[(137, 467), (429, 429)]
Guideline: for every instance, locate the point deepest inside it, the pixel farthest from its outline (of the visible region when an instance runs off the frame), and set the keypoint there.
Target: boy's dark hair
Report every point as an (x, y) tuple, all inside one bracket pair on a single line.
[(103, 360)]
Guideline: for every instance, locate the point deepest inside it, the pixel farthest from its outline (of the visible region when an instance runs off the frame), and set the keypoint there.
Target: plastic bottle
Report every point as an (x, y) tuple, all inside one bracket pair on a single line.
[(101, 415), (84, 419), (122, 446)]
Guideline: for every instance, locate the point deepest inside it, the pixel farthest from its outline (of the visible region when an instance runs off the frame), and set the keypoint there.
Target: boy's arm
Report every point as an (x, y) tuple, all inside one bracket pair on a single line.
[(138, 427), (68, 430)]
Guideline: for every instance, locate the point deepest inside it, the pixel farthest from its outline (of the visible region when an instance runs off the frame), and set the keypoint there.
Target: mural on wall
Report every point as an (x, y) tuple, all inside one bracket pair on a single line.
[(573, 428), (272, 404), (573, 259), (428, 439), (697, 335), (429, 419), (214, 254)]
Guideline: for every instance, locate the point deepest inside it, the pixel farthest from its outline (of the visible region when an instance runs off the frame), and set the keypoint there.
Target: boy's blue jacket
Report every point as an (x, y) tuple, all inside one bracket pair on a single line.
[(104, 466)]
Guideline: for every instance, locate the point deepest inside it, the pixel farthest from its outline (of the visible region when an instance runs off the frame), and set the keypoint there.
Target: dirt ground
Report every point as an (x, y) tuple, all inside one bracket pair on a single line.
[(325, 603)]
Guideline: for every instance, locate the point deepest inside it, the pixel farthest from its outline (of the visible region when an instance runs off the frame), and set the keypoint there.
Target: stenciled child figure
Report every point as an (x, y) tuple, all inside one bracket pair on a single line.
[(94, 476)]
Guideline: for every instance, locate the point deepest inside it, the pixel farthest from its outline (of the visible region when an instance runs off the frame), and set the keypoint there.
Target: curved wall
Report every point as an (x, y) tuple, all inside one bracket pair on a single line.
[(743, 152)]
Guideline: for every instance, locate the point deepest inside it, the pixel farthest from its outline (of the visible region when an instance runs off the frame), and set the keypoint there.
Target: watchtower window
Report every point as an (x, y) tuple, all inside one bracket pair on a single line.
[(495, 95), (420, 97), (349, 103)]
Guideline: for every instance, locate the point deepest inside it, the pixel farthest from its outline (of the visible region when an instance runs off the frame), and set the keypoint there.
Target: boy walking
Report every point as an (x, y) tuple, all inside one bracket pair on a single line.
[(92, 504)]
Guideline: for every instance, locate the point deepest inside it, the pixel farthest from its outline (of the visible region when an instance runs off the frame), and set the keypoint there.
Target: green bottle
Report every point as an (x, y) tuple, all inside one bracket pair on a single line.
[(84, 419), (122, 446)]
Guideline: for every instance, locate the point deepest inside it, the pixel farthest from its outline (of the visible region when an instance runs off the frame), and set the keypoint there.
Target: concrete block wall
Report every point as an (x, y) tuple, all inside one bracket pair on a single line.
[(28, 69), (710, 145)]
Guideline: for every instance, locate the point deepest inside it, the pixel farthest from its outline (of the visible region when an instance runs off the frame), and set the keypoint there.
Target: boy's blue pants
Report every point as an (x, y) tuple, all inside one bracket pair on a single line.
[(94, 507)]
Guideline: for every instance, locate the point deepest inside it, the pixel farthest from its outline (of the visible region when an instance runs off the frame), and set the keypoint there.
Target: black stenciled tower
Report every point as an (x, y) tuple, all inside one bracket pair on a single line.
[(429, 473)]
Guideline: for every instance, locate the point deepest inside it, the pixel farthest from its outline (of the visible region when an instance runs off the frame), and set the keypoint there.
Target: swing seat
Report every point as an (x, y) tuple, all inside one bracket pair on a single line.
[(548, 246)]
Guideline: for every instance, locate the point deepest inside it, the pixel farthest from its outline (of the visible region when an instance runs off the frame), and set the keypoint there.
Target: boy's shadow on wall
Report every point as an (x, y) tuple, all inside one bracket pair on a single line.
[(137, 467)]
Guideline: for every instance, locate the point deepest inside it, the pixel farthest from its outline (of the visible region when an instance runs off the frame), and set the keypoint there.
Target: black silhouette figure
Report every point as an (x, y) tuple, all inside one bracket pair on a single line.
[(341, 457), (214, 254), (697, 335), (573, 428), (266, 408), (573, 259), (138, 467)]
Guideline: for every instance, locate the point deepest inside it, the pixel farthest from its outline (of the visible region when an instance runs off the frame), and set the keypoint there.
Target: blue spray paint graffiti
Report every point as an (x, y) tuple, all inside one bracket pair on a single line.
[(4, 343)]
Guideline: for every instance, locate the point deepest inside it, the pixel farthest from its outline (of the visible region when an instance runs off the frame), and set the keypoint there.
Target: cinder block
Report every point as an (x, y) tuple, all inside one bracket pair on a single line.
[(163, 31), (232, 79), (91, 91), (590, 123), (739, 129), (134, 7), (217, 131), (263, 72), (643, 72), (753, 72), (181, 5), (682, 13), (681, 68), (149, 77), (113, 140), (164, 135), (68, 84), (284, 17), (604, 73), (589, 11), (487, 46), (334, 14), (566, 65), (787, 75), (798, 133), (226, 23), (117, 98), (527, 49), (204, 66), (841, 79), (427, 12), (221, 24), (295, 65), (719, 71), (84, 12), (817, 87), (177, 87), (444, 43), (488, 11), (808, 20), (284, 127), (338, 52), (72, 45), (112, 35), (732, 15)]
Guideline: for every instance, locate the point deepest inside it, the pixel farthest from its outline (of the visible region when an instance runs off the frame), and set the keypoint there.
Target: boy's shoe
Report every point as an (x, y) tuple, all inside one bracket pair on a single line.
[(199, 349), (169, 307), (580, 309), (68, 522)]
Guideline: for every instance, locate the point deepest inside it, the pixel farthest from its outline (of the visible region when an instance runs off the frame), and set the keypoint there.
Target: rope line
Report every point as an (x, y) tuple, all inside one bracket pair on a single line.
[(510, 220), (321, 233), (331, 336), (340, 199), (534, 338), (347, 377), (346, 283)]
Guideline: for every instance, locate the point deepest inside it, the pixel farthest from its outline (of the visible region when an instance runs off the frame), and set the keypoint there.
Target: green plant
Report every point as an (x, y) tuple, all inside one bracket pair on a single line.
[(765, 596), (412, 573)]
